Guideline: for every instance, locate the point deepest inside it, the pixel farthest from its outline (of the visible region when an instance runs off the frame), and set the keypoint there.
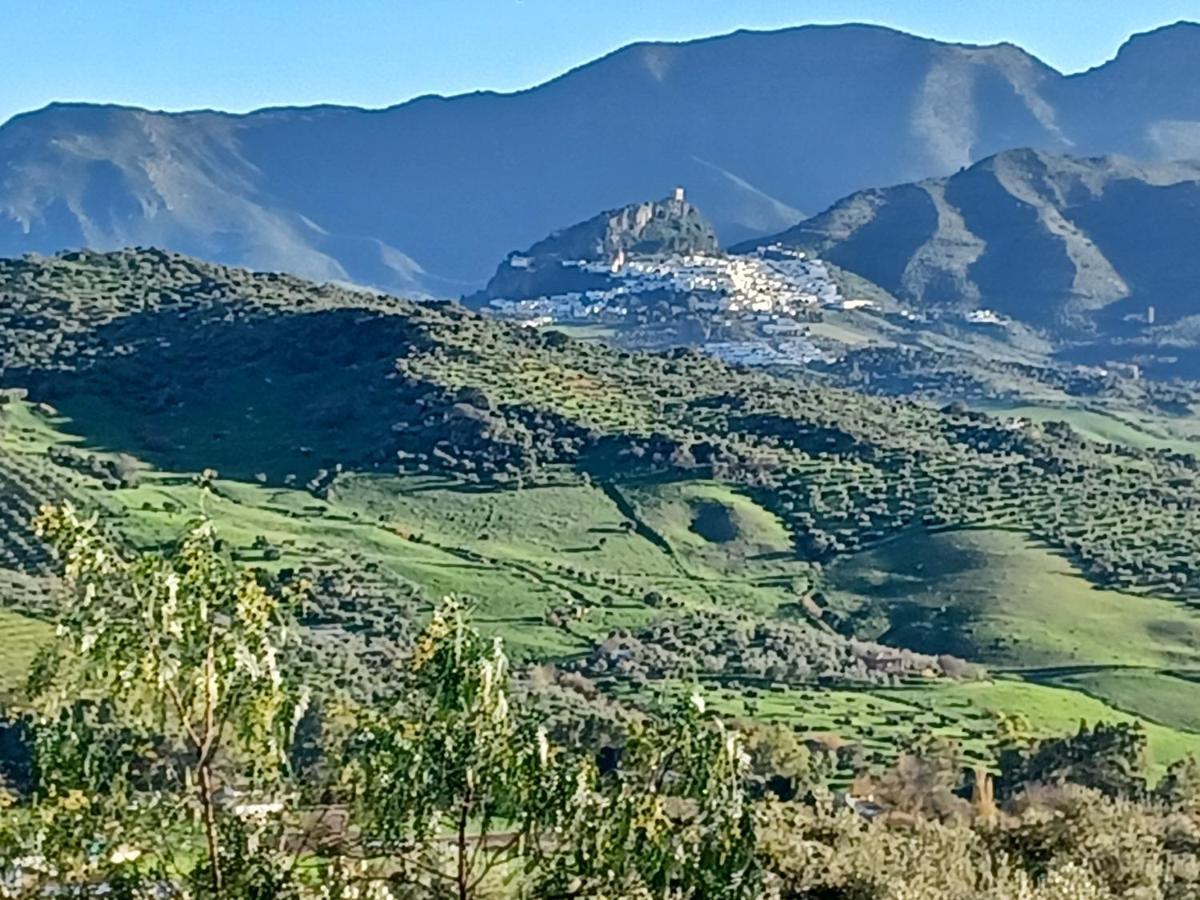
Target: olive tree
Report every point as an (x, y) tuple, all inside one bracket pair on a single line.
[(450, 785), (165, 671)]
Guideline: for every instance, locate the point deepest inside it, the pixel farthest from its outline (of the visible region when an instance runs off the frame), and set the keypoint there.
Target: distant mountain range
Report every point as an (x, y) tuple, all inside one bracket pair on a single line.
[(1077, 249), (763, 128), (1069, 245)]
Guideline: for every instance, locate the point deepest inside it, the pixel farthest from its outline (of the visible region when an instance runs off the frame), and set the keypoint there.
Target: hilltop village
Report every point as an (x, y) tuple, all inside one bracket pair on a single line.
[(658, 263), (656, 267), (770, 295)]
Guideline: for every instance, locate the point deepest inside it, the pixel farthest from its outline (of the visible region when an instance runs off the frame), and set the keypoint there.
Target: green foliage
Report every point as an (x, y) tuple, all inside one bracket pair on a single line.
[(1071, 845), (1181, 786), (459, 791), (1109, 758), (162, 688), (456, 790), (630, 521), (440, 775), (672, 820), (784, 765), (281, 384)]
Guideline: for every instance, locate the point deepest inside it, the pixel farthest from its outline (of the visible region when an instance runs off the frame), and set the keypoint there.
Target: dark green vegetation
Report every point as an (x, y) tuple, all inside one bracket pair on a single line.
[(448, 784), (993, 374), (630, 522)]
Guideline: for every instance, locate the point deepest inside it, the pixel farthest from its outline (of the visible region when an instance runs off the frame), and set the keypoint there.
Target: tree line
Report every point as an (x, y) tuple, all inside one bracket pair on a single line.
[(169, 747)]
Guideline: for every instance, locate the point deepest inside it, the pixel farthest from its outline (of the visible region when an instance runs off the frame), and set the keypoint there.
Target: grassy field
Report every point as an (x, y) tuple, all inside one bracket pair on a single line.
[(989, 595), (20, 639), (969, 713), (999, 598), (1052, 710), (737, 553), (1113, 424), (1171, 700), (519, 552), (584, 543)]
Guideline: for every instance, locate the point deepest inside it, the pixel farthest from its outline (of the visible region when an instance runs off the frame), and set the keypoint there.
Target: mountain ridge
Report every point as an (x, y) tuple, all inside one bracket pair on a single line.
[(424, 196), (496, 92), (1092, 238)]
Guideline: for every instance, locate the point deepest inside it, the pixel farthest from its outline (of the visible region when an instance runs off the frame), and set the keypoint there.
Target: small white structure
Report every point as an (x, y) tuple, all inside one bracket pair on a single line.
[(984, 317)]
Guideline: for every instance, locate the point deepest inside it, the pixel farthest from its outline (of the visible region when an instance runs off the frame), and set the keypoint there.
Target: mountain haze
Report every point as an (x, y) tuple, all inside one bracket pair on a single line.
[(1056, 241), (762, 128)]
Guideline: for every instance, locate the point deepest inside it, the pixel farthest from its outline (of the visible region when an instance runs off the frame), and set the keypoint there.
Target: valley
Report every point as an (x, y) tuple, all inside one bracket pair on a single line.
[(582, 496), (737, 465)]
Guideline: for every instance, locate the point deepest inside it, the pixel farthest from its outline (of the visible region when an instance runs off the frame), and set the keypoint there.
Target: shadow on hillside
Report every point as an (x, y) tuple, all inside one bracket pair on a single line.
[(902, 588), (274, 395)]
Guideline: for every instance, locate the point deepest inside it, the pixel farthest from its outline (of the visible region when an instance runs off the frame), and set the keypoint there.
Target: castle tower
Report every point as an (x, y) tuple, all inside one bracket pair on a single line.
[(678, 196)]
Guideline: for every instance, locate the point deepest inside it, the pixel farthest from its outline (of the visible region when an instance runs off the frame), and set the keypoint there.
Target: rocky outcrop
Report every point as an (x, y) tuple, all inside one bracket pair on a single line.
[(668, 226)]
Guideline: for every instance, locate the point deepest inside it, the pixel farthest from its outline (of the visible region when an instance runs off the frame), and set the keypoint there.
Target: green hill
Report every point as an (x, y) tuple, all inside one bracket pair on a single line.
[(700, 515)]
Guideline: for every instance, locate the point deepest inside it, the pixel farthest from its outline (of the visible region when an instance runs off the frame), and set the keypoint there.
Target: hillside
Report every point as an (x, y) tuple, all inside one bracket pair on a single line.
[(649, 276), (763, 128), (632, 519), (1075, 247), (671, 226)]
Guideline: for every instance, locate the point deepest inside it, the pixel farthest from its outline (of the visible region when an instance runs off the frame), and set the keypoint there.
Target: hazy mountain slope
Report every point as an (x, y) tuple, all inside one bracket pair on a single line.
[(1144, 103), (1051, 240), (106, 177), (759, 126)]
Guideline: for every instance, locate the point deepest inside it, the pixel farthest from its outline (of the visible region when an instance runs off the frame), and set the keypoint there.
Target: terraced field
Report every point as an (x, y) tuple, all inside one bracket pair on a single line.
[(619, 517), (972, 714), (558, 550), (22, 491)]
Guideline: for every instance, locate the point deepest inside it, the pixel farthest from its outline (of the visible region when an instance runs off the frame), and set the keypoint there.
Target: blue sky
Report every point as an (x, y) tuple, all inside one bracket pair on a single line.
[(242, 54)]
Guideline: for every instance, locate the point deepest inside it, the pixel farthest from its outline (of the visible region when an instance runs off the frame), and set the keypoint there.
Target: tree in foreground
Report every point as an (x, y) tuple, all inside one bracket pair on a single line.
[(463, 796), (161, 722), (672, 820), (447, 784), (162, 718), (159, 712)]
